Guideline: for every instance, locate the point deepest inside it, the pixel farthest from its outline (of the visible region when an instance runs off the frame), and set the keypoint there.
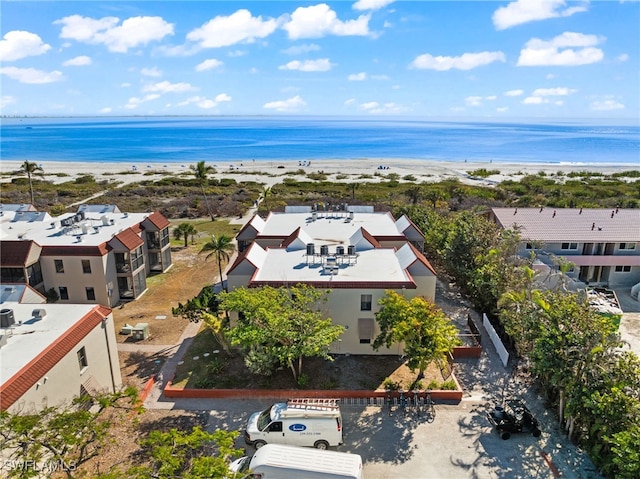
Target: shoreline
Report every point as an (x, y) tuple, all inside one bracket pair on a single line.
[(270, 172)]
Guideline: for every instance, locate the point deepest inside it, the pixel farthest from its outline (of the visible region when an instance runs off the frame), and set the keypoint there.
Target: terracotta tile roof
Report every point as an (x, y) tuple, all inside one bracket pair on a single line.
[(15, 253), (16, 386), (158, 220), (340, 285), (99, 250), (129, 239)]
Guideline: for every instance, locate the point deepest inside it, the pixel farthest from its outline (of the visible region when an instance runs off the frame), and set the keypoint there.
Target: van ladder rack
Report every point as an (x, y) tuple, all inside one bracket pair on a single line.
[(313, 403)]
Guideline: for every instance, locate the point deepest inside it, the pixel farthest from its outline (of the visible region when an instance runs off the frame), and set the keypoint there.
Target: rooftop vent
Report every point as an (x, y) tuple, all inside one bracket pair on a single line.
[(78, 238), (351, 249), (311, 248), (39, 313), (105, 220), (67, 221), (324, 250), (339, 250), (7, 319), (112, 221)]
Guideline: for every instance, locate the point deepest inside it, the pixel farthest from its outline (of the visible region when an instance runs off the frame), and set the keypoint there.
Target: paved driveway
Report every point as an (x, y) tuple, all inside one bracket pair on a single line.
[(459, 444)]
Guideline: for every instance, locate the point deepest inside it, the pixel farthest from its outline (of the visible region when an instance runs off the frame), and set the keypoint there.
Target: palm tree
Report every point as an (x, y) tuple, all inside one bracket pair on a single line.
[(31, 168), (266, 191), (200, 172), (353, 187), (222, 247), (184, 230)]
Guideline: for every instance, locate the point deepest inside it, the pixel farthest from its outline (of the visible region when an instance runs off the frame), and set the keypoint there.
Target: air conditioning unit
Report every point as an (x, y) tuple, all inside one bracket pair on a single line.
[(7, 318)]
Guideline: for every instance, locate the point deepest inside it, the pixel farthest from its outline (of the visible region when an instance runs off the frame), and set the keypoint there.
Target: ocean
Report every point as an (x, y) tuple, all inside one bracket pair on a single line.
[(234, 139)]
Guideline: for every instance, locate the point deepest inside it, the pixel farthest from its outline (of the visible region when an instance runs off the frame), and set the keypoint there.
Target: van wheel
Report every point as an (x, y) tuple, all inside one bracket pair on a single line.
[(259, 444), (321, 445), (505, 435), (536, 432)]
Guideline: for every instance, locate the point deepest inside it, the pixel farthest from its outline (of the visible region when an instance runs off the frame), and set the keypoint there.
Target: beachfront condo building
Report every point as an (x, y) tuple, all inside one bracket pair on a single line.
[(97, 255), (603, 245), (51, 353), (355, 253)]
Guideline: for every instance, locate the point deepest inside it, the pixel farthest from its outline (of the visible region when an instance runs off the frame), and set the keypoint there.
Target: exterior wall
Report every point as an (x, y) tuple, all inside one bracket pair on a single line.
[(392, 244), (343, 307), (75, 280), (63, 381), (270, 242), (425, 280)]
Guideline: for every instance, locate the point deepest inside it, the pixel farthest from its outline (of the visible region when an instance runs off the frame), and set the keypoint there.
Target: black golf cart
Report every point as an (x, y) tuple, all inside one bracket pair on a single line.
[(514, 417)]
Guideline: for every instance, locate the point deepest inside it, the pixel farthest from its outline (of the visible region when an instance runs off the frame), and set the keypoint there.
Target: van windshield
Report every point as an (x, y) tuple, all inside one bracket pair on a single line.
[(264, 419)]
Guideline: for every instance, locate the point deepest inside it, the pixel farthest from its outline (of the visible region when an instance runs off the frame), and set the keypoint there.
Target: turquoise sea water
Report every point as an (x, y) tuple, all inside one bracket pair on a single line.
[(190, 139)]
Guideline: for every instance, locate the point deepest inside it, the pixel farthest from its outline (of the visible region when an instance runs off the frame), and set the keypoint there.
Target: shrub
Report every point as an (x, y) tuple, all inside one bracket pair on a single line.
[(391, 385)]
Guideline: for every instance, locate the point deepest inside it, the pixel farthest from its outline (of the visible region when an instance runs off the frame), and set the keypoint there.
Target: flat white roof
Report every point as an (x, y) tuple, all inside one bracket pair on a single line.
[(372, 265), (93, 230), (329, 227), (33, 336)]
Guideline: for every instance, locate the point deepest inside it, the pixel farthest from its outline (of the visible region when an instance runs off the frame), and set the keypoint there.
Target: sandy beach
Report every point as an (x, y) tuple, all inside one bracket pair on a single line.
[(273, 172)]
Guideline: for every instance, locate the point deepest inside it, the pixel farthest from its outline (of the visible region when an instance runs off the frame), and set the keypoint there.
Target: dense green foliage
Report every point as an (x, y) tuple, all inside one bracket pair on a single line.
[(63, 437), (183, 231), (426, 332), (573, 351), (280, 326)]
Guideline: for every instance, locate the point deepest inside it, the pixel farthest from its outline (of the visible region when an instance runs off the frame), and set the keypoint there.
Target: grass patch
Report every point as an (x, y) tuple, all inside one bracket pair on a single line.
[(483, 173)]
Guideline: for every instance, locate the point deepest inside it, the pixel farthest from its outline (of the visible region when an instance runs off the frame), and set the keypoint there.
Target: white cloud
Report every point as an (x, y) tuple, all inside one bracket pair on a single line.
[(559, 91), (20, 44), (502, 109), (237, 53), (133, 32), (623, 57), (319, 65), (513, 93), (467, 61), (6, 100), (473, 101), (239, 27), (151, 72), (540, 95), (31, 75), (134, 101), (80, 61), (524, 11), (550, 76), (350, 101), (167, 87), (106, 109), (209, 64), (491, 97), (319, 20), (375, 108), (379, 77), (125, 85), (289, 105), (567, 49), (606, 105), (357, 76), (222, 97), (371, 4), (301, 49)]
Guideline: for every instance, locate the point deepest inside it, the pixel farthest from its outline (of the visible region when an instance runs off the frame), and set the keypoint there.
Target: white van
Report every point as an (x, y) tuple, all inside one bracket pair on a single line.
[(278, 461), (299, 422)]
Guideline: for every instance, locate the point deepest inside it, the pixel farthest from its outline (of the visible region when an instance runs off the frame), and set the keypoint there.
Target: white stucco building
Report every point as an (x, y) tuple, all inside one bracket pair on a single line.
[(51, 353), (356, 254), (96, 255)]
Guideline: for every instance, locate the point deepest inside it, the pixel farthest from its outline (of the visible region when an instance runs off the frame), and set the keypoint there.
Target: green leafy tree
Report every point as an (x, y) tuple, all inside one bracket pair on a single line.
[(31, 169), (69, 436), (183, 231), (195, 454), (427, 333), (281, 326), (222, 248), (201, 172)]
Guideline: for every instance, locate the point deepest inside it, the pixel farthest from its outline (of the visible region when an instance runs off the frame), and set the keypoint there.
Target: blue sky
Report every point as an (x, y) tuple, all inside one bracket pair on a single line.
[(433, 59)]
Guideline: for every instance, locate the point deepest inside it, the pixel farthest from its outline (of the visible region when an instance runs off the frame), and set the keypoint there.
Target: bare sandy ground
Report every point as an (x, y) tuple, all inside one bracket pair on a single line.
[(273, 172)]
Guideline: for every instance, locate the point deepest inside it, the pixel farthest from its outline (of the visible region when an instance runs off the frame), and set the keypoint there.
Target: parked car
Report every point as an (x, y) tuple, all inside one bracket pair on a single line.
[(280, 461), (299, 422), (513, 417)]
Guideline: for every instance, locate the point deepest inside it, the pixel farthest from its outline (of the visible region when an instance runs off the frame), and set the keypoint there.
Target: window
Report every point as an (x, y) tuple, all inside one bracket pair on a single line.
[(137, 258), (529, 246), (91, 293), (82, 359), (86, 266), (365, 302), (627, 246), (59, 265), (34, 273), (569, 246), (64, 293), (365, 330), (623, 269)]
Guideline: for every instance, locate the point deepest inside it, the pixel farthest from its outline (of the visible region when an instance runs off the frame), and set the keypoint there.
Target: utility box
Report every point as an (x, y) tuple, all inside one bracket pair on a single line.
[(140, 331)]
